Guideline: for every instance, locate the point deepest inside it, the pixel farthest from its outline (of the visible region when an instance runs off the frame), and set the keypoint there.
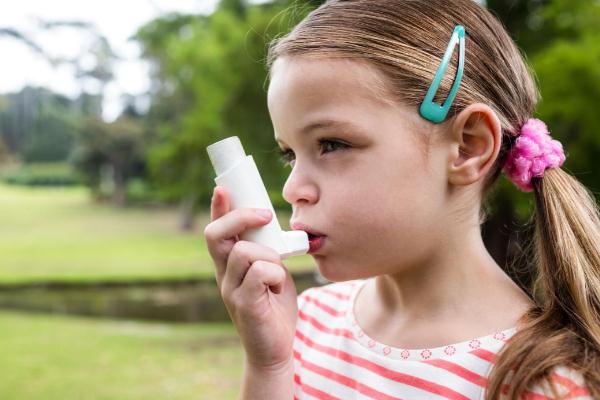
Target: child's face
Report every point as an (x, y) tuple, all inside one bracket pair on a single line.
[(380, 201)]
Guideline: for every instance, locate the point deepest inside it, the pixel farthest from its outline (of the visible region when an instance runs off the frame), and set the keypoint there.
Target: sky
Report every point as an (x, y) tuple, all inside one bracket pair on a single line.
[(116, 20)]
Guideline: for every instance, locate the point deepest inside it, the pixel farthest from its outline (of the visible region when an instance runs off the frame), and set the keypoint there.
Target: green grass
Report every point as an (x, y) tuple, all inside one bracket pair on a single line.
[(58, 357), (61, 234)]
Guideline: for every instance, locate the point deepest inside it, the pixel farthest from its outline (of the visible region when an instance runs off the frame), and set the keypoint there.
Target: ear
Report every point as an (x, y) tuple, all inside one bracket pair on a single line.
[(476, 136)]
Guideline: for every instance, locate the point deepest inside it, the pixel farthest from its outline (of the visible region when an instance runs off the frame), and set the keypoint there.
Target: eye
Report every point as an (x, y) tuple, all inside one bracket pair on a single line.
[(287, 156), (335, 144)]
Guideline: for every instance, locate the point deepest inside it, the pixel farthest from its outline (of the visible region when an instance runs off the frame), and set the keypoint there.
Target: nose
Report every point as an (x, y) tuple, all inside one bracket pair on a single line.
[(299, 187)]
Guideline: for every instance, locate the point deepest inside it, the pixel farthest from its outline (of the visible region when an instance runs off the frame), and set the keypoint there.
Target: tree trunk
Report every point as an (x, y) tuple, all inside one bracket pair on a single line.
[(120, 186), (186, 212)]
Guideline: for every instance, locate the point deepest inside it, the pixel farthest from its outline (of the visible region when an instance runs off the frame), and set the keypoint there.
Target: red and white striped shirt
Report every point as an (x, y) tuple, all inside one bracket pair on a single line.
[(335, 359)]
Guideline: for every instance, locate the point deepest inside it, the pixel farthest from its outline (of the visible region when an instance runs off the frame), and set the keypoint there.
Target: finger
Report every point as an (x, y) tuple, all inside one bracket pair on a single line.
[(218, 248), (224, 205), (242, 256), (222, 233), (220, 203), (235, 222), (261, 276)]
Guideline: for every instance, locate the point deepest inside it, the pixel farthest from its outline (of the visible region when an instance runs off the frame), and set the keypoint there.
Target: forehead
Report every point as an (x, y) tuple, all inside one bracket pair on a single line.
[(305, 90), (306, 83)]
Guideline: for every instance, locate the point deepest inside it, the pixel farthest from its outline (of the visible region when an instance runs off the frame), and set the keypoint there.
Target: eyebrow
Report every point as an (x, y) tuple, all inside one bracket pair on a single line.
[(324, 124)]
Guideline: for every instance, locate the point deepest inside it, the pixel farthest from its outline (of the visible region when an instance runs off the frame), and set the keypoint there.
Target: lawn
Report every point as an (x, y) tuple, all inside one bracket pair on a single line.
[(58, 357), (60, 234)]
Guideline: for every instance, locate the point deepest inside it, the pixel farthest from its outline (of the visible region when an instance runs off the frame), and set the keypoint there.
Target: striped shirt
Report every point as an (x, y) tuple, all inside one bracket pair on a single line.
[(335, 359)]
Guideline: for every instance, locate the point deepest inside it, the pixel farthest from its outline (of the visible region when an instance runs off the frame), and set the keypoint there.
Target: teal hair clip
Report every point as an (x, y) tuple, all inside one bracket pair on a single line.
[(432, 111)]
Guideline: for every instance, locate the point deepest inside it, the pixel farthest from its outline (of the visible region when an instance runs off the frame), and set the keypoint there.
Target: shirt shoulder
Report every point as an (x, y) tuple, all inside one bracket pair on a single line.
[(569, 383), (322, 311), (333, 296)]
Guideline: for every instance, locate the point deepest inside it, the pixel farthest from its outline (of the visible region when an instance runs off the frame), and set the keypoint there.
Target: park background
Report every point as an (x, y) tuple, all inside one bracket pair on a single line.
[(106, 285)]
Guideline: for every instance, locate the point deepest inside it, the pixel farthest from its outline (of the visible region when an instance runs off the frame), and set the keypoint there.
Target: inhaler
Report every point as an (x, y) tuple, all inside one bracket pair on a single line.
[(237, 172)]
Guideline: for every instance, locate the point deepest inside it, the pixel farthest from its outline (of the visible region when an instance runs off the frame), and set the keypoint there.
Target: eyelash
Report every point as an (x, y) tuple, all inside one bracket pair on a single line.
[(286, 155)]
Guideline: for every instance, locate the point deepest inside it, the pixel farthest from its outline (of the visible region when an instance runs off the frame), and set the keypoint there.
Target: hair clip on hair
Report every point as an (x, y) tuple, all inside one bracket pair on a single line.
[(434, 112)]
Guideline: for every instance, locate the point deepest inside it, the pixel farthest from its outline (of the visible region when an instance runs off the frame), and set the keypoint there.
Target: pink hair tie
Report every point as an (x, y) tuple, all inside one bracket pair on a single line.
[(532, 153)]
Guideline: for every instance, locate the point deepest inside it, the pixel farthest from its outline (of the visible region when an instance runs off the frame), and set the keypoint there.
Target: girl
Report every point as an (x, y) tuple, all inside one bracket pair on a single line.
[(392, 155)]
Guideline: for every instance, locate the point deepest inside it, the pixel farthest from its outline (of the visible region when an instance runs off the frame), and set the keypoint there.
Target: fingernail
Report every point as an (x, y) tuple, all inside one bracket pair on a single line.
[(266, 214)]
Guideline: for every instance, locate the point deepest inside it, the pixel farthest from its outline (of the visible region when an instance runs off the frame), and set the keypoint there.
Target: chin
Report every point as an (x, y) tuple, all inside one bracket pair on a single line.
[(333, 273)]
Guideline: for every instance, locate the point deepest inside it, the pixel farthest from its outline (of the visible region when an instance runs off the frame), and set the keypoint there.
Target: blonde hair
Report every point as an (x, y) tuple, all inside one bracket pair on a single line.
[(405, 40)]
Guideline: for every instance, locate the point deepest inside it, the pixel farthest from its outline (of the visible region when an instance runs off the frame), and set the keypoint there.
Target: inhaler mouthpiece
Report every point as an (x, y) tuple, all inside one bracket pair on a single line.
[(237, 172)]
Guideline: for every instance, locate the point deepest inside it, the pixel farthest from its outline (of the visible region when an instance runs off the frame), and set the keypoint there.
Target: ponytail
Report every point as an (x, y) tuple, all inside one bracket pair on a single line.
[(563, 329)]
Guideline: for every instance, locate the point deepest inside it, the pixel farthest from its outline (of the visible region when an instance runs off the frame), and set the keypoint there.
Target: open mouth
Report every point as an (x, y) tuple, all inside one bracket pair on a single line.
[(315, 242)]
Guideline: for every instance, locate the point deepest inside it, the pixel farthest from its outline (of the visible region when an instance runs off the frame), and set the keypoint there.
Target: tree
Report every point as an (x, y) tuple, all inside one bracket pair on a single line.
[(116, 148), (236, 7), (38, 124)]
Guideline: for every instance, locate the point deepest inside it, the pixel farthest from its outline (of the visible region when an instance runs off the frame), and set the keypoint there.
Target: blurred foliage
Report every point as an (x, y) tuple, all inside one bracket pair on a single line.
[(42, 174), (38, 124), (568, 70), (210, 84), (117, 148)]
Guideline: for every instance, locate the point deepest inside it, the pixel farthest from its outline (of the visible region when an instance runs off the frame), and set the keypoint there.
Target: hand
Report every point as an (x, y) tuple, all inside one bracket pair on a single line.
[(257, 289)]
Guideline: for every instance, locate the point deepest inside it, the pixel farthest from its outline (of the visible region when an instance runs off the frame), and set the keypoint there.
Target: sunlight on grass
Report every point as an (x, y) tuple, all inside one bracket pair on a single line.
[(58, 357), (61, 234)]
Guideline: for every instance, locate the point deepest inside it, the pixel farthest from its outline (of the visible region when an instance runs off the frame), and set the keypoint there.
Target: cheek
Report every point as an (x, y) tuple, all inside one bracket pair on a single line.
[(397, 203), (389, 189)]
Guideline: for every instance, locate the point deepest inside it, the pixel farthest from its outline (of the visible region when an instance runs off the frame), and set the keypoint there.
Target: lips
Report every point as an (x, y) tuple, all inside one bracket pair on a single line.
[(316, 239), (310, 231)]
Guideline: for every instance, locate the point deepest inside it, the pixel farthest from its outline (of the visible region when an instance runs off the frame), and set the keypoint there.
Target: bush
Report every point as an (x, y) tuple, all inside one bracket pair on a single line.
[(139, 191), (42, 174)]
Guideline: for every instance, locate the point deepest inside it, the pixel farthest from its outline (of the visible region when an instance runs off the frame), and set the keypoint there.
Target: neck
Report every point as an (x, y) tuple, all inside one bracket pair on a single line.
[(455, 280)]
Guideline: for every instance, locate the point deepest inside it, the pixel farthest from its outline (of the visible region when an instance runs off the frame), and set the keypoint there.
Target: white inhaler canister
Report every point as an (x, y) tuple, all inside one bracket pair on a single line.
[(237, 172)]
